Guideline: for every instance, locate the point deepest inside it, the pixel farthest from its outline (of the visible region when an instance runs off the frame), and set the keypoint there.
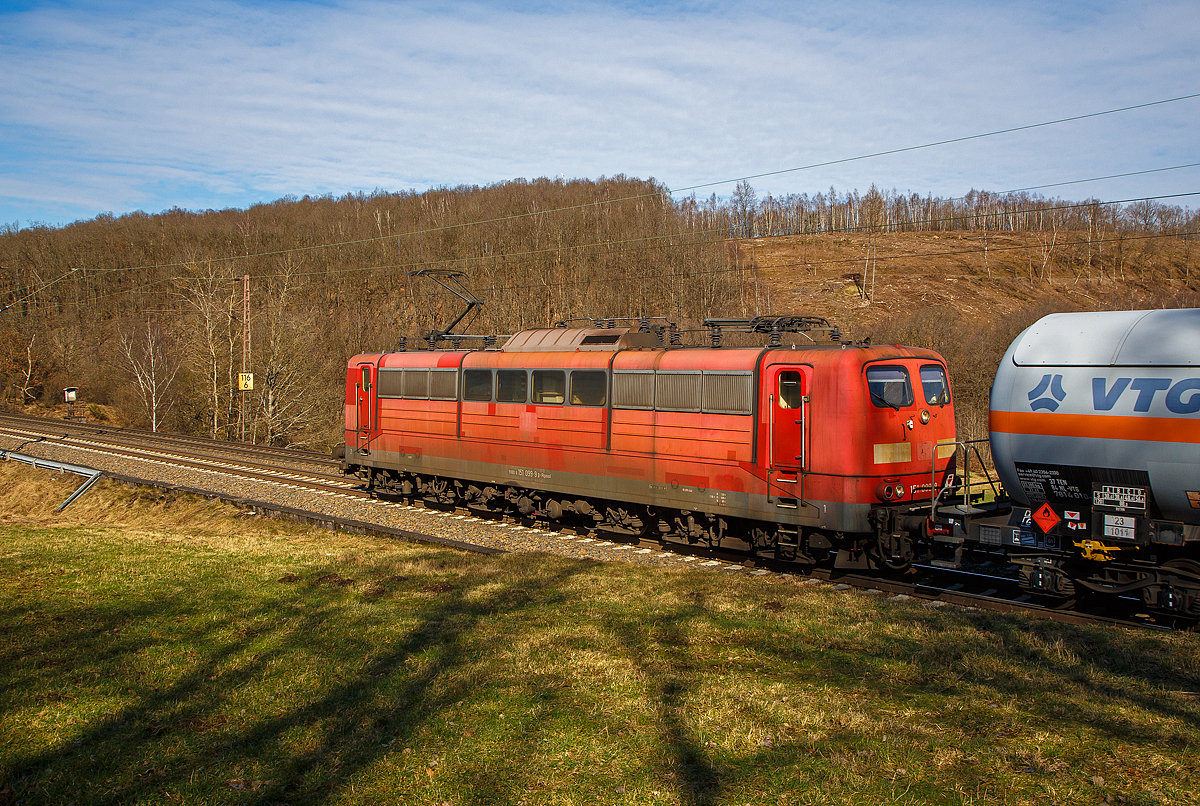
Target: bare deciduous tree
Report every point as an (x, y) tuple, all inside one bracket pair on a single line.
[(286, 398), (211, 294), (152, 368)]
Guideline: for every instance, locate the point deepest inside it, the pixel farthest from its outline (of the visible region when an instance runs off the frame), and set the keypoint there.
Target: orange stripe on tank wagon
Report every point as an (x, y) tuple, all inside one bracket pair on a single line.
[(1096, 426)]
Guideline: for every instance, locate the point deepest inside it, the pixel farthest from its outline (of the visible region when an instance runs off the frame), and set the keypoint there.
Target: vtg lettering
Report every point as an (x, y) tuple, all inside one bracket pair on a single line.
[(1104, 398)]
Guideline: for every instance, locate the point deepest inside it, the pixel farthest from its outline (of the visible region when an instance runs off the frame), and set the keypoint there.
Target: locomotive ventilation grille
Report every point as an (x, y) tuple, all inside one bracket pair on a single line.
[(710, 392), (418, 384)]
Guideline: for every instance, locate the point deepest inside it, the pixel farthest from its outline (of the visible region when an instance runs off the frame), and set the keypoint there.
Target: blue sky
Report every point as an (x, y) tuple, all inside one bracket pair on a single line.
[(120, 106)]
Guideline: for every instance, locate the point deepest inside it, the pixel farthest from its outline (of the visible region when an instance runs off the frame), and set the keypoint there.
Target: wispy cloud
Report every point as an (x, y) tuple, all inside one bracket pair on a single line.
[(126, 106)]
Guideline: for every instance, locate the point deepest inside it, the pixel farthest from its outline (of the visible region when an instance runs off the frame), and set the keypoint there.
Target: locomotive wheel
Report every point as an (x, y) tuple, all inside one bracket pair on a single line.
[(439, 493), (632, 522), (893, 552)]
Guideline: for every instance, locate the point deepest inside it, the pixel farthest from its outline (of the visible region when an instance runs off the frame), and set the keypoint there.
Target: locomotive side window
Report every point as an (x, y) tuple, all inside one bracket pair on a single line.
[(790, 389), (477, 384), (728, 393), (934, 386), (512, 385), (589, 388), (416, 384), (549, 386), (889, 387)]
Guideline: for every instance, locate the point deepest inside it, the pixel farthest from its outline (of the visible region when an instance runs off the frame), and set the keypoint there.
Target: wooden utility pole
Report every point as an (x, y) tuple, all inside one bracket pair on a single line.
[(245, 378)]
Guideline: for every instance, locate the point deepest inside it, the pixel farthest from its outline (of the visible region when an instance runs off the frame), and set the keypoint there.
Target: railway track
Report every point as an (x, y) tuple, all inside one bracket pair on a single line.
[(279, 457), (309, 486)]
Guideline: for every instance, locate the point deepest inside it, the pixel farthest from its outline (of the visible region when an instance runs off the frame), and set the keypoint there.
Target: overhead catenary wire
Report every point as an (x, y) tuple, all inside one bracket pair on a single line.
[(679, 240), (916, 222), (516, 216), (509, 261), (1084, 181), (935, 144)]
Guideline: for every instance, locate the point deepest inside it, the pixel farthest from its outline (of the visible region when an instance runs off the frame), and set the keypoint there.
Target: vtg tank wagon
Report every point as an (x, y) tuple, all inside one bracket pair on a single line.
[(1095, 433)]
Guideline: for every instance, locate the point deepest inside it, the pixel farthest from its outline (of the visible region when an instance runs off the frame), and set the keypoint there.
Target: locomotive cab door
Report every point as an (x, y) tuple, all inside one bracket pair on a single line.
[(788, 398), (365, 405), (786, 390)]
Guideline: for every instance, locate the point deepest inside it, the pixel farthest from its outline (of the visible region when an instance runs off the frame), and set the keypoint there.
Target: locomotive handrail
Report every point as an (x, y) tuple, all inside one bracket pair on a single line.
[(967, 508)]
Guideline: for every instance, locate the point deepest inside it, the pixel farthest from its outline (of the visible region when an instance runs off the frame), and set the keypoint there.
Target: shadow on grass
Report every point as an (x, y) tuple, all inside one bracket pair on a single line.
[(1091, 669), (1095, 683), (168, 738), (386, 687), (662, 654)]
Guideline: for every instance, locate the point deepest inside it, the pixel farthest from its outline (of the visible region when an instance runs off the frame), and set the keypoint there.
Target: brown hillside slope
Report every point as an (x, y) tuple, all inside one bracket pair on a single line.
[(966, 295)]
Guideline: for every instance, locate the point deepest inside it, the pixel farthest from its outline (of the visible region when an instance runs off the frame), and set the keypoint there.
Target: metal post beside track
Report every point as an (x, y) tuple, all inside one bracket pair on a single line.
[(92, 474)]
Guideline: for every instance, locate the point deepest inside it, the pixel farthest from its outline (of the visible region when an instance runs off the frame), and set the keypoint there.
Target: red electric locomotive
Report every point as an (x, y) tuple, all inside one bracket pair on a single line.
[(784, 451)]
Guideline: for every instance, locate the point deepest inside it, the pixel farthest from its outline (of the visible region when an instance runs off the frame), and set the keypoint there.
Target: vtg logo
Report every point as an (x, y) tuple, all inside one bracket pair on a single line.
[(1054, 384), (1103, 398), (1182, 397)]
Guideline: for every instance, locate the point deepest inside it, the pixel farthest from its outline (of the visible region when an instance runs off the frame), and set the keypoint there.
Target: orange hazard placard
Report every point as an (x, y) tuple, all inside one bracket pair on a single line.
[(1046, 518)]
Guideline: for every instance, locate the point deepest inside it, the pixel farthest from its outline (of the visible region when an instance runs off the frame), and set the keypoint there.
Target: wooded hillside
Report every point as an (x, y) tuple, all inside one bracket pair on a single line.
[(144, 312)]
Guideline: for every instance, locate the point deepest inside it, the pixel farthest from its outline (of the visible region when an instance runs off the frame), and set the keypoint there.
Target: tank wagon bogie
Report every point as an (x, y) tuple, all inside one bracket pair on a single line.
[(789, 452), (1095, 428)]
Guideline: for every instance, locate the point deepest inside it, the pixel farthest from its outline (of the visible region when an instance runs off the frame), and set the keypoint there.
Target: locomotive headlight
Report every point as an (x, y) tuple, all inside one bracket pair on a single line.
[(924, 416), (889, 491)]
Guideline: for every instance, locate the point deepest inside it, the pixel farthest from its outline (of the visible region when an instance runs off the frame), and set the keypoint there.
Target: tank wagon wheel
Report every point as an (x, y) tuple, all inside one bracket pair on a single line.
[(1186, 618), (1186, 566)]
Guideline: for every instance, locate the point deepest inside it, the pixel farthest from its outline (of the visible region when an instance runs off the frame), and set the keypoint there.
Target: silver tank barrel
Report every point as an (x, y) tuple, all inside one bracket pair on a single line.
[(1085, 404)]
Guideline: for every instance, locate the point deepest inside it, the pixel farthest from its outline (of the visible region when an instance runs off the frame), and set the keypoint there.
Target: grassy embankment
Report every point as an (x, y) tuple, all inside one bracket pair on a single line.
[(170, 650)]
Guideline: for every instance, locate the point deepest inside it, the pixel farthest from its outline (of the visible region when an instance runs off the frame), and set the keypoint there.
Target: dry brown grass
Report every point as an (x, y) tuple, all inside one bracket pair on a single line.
[(160, 651)]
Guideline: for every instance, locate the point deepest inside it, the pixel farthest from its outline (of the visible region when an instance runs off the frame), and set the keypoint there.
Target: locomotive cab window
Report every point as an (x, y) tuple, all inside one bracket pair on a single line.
[(790, 389), (549, 386), (512, 386), (889, 387), (589, 388), (934, 385), (477, 384)]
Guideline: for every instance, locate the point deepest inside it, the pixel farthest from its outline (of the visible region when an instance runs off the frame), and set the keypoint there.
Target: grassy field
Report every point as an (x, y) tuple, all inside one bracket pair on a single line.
[(170, 650)]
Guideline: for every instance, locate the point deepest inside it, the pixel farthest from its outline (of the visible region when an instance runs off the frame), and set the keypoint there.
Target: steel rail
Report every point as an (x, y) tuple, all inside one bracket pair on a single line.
[(923, 589), (220, 464), (74, 427)]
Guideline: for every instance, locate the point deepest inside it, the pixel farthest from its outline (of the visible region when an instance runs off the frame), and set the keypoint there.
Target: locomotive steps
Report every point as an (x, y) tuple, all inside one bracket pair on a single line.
[(162, 646)]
